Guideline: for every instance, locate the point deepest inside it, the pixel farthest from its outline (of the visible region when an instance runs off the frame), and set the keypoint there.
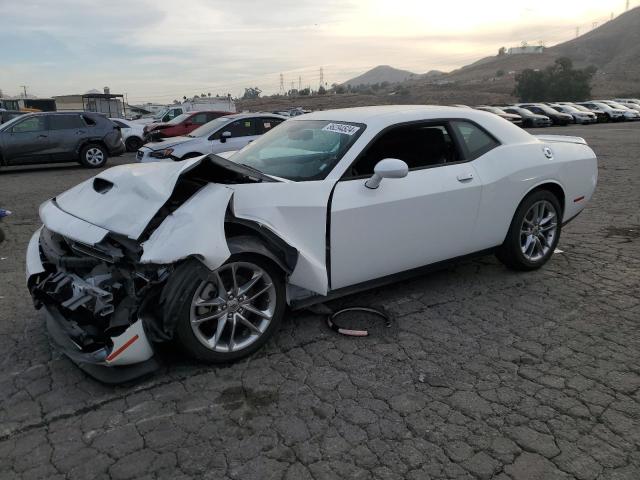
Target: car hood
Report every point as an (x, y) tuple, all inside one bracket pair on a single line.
[(168, 143), (156, 126), (125, 199)]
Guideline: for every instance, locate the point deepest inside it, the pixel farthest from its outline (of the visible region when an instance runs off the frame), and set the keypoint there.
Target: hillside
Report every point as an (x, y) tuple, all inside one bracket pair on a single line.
[(380, 74), (614, 48)]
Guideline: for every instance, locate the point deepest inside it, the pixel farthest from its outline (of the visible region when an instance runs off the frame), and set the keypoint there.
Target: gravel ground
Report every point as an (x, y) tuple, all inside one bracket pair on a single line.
[(485, 373)]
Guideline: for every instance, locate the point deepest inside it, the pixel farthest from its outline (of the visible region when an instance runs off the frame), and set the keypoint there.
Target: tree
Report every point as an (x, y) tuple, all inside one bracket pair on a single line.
[(502, 51), (304, 91), (251, 92), (500, 73), (559, 81), (339, 89), (322, 90)]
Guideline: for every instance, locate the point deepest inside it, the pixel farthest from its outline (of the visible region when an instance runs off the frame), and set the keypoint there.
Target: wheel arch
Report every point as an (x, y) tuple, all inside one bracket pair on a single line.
[(91, 141), (551, 186)]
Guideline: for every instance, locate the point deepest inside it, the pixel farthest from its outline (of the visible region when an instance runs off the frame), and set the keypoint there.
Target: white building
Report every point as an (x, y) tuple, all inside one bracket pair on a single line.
[(526, 49)]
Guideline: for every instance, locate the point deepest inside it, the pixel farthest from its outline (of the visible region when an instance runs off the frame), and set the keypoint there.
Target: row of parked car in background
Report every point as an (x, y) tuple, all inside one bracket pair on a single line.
[(90, 138), (530, 115)]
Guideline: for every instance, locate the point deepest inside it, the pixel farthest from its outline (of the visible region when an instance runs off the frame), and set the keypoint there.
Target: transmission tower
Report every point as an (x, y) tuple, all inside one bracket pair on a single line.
[(577, 32), (293, 85), (281, 84), (321, 77), (299, 82)]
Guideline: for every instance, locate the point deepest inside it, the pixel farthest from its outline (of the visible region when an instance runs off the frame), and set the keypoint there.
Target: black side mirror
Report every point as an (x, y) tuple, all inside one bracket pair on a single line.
[(224, 136)]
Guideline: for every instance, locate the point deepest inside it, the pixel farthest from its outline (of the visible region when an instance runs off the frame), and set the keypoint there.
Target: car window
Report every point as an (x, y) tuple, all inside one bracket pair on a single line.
[(474, 139), (266, 124), (120, 124), (31, 124), (88, 120), (199, 119), (419, 146), (241, 128), (64, 122), (214, 115)]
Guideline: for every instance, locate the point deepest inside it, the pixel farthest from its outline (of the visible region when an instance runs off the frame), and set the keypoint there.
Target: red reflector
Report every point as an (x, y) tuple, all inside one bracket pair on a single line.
[(579, 199), (117, 352)]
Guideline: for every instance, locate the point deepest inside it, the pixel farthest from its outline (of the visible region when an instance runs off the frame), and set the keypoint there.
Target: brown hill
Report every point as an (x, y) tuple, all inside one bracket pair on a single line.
[(614, 48), (380, 74)]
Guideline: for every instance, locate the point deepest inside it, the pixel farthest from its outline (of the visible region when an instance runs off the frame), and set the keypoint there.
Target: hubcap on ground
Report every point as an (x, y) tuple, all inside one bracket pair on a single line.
[(538, 230), (94, 156), (234, 307)]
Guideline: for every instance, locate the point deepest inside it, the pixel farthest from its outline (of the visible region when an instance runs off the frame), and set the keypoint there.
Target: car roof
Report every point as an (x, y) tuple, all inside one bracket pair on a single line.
[(390, 114), (240, 116)]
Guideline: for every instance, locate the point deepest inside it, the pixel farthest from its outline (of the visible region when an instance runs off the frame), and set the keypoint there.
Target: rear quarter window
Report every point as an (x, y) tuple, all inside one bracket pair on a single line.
[(475, 140), (88, 120)]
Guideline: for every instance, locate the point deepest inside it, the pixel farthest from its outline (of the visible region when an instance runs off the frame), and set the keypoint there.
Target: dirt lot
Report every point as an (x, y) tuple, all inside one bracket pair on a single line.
[(485, 374)]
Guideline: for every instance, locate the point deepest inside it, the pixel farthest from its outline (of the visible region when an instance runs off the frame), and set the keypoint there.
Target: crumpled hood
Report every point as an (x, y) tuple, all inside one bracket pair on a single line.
[(125, 198), (170, 142)]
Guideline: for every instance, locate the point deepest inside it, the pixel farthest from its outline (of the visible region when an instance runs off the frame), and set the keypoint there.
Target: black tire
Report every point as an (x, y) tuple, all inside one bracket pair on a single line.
[(133, 144), (178, 294), (90, 158), (1, 235), (510, 252)]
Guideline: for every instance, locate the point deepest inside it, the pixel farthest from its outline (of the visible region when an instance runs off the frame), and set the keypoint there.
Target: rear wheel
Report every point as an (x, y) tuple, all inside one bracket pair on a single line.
[(93, 156), (230, 313), (133, 144), (534, 232)]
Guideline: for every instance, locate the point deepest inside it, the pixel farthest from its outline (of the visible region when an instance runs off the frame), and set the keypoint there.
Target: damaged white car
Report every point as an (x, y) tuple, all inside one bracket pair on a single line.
[(209, 252)]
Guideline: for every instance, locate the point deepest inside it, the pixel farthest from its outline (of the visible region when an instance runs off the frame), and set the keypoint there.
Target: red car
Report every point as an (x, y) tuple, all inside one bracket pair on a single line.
[(181, 125)]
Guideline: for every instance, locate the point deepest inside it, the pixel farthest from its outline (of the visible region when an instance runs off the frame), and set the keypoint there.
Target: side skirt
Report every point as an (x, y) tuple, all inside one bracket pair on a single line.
[(379, 282)]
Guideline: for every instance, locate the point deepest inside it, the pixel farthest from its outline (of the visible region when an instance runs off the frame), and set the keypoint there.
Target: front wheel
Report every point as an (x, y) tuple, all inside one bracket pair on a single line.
[(534, 232), (229, 313), (133, 144), (93, 156)]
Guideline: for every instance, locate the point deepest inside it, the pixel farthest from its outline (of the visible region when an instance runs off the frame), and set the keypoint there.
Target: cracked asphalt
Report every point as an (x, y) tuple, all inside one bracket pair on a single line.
[(485, 373)]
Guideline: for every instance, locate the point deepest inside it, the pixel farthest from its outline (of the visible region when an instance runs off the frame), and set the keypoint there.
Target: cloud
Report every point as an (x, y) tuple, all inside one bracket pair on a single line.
[(163, 49)]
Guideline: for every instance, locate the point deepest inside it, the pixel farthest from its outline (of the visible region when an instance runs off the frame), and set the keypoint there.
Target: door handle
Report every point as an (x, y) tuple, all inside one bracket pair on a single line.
[(465, 177)]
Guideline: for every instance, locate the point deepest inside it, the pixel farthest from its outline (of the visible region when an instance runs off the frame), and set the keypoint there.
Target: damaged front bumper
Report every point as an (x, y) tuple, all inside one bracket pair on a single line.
[(103, 335)]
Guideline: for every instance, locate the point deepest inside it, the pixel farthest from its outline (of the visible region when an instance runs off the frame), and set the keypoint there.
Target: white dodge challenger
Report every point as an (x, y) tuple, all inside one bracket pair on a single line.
[(210, 251)]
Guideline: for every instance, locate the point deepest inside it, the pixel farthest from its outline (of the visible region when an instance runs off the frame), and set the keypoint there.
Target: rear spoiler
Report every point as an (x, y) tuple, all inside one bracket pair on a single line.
[(561, 139)]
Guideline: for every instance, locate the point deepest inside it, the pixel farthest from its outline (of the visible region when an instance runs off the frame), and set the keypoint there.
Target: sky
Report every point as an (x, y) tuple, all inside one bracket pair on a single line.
[(160, 50)]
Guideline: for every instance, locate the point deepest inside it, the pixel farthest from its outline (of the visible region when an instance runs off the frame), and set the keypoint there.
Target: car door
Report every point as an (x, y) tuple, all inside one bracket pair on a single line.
[(27, 141), (65, 131), (426, 217), (242, 131)]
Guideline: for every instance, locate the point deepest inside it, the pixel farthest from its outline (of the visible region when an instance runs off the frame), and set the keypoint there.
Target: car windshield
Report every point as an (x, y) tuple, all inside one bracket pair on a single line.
[(581, 108), (178, 119), (209, 127), (300, 150), (617, 105), (495, 110)]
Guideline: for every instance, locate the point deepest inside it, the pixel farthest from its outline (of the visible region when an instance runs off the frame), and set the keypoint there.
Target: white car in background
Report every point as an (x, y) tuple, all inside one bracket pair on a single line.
[(224, 134), (630, 113), (578, 115), (208, 252), (613, 114), (132, 133)]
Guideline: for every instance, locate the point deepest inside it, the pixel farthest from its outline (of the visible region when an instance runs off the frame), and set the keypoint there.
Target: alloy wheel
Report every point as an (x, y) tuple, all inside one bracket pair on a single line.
[(538, 230), (234, 307), (94, 156)]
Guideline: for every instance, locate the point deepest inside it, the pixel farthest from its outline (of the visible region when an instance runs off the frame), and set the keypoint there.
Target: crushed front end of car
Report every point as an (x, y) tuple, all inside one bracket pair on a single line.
[(99, 302)]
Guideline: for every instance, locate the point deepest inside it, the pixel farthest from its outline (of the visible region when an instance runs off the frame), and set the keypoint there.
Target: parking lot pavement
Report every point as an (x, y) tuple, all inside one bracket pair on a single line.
[(486, 373)]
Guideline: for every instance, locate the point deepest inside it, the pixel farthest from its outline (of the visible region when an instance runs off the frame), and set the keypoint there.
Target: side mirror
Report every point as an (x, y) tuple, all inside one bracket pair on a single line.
[(387, 168), (224, 136)]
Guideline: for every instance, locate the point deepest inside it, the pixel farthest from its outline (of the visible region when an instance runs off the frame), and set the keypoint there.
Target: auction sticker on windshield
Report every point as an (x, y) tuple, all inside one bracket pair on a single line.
[(341, 128)]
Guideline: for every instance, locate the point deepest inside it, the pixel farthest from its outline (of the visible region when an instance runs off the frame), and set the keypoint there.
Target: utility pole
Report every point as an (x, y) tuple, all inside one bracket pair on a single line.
[(321, 76), (24, 88), (299, 82), (293, 85), (281, 84), (594, 25), (577, 32), (627, 7)]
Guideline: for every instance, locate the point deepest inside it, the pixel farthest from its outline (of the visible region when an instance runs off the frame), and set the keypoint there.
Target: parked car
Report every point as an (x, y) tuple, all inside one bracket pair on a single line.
[(613, 114), (324, 205), (629, 103), (132, 133), (231, 132), (600, 116), (558, 118), (52, 137), (513, 118), (529, 119), (578, 115), (629, 113), (181, 125), (6, 115)]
